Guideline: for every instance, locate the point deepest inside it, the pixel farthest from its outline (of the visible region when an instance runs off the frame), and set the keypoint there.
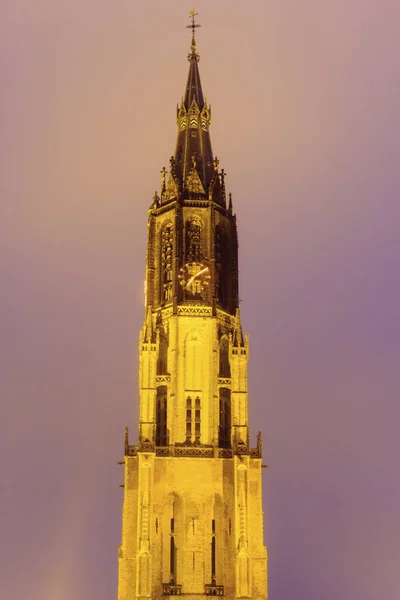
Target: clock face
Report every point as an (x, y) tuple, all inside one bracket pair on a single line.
[(194, 277)]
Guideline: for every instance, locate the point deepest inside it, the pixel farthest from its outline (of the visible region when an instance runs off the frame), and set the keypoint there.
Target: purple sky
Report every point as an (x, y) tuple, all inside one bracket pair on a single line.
[(305, 99)]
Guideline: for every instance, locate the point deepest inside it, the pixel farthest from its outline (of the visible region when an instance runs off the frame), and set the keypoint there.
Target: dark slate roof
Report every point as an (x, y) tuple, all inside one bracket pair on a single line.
[(194, 141), (193, 86)]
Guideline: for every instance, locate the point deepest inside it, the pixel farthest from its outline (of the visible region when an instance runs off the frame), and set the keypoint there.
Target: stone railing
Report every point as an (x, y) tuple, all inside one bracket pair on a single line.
[(163, 378), (147, 446), (197, 451), (162, 450), (255, 453), (193, 451), (214, 590), (171, 589), (131, 451), (224, 381), (225, 453), (244, 450)]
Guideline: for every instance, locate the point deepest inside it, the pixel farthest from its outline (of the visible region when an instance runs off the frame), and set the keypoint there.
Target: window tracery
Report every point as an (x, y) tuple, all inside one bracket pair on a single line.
[(166, 260), (193, 361), (193, 241), (224, 418), (224, 366), (161, 416), (193, 419), (221, 265)]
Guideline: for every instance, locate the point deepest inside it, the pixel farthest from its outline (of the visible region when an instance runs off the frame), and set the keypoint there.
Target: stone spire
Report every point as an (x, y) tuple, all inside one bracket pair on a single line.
[(193, 120), (194, 172)]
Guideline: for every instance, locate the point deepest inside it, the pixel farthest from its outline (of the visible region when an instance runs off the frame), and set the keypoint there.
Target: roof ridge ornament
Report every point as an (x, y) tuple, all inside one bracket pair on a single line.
[(163, 173), (193, 183), (193, 26)]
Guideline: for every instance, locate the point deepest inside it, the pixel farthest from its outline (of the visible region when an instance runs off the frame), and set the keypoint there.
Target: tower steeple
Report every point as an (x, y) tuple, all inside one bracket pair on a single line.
[(193, 88), (193, 157), (204, 238), (192, 517)]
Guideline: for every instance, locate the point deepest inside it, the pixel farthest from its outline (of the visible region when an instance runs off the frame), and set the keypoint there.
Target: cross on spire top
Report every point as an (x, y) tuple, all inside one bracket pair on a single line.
[(193, 26)]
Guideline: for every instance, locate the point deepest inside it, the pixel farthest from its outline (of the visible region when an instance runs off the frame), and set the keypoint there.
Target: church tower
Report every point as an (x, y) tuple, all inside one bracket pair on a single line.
[(192, 521)]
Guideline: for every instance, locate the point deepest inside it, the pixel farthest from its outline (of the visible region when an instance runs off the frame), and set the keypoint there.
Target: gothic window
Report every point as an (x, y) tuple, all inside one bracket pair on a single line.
[(161, 416), (224, 366), (218, 236), (213, 548), (197, 421), (193, 241), (221, 259), (193, 419), (188, 419), (224, 418), (166, 261), (162, 360), (172, 555), (193, 361)]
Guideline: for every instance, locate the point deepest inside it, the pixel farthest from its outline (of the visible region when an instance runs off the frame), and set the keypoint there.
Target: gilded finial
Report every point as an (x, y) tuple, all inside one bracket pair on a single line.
[(163, 176), (193, 26), (194, 160), (222, 176), (216, 163), (156, 200)]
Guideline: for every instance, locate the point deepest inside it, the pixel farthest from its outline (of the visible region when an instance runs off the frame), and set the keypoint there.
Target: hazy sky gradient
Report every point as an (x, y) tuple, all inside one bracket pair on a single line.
[(305, 103)]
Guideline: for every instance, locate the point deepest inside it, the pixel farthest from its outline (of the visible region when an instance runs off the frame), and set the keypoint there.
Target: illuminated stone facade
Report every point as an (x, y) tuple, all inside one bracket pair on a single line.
[(192, 521)]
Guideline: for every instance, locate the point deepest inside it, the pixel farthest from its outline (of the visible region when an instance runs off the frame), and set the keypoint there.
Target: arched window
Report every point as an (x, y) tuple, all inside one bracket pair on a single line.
[(224, 418), (172, 554), (193, 241), (166, 261), (161, 416), (224, 366), (218, 244), (193, 419), (221, 260), (162, 359), (193, 361), (197, 420), (188, 419)]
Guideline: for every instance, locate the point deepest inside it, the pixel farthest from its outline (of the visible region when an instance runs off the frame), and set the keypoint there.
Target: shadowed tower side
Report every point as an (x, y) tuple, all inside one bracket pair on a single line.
[(192, 521)]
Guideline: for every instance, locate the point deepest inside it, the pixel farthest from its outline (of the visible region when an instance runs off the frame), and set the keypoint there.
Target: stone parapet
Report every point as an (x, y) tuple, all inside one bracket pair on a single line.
[(193, 451)]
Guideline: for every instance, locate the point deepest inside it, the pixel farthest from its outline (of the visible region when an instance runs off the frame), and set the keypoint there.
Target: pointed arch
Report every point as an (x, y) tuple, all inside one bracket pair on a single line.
[(224, 366), (193, 361), (161, 416), (162, 359), (193, 240), (221, 265), (167, 246), (225, 418)]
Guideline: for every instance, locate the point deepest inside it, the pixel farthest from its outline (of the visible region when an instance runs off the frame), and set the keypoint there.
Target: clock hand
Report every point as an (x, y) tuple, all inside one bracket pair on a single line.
[(193, 277)]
